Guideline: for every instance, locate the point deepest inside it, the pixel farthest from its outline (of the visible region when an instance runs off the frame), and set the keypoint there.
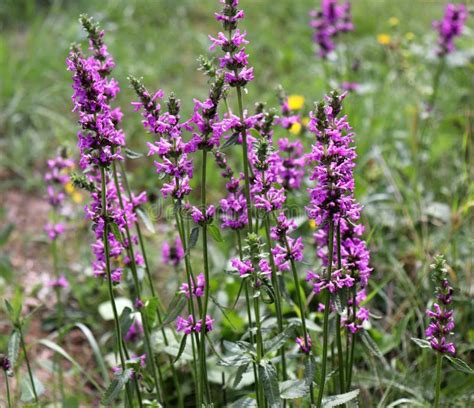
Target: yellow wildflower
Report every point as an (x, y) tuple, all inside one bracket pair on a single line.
[(384, 39), (295, 128), (295, 102), (312, 224), (393, 21), (410, 36), (76, 197), (69, 188)]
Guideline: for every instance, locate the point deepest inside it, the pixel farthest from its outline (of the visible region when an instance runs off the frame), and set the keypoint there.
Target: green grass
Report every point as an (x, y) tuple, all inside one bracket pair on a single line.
[(418, 194)]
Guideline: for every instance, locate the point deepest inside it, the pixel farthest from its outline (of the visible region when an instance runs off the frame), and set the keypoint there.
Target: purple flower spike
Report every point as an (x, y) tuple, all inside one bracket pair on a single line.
[(450, 27), (441, 315), (305, 347)]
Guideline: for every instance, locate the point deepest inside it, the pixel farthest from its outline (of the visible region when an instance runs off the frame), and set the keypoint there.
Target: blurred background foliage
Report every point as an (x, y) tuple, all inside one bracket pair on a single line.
[(415, 168)]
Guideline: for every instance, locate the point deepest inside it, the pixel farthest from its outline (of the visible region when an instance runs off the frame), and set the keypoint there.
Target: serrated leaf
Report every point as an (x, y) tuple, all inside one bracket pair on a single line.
[(193, 238), (293, 389), (239, 374), (245, 402), (14, 347), (174, 308), (132, 155), (269, 377), (116, 387), (337, 400), (371, 344), (116, 231), (146, 220), (340, 300), (149, 311), (125, 320), (235, 360), (268, 290), (26, 387), (279, 340), (421, 342), (215, 233), (460, 365)]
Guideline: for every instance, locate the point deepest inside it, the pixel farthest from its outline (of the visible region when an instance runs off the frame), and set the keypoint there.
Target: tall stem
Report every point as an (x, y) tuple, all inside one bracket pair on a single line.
[(276, 286), (338, 318), (260, 350), (118, 331), (207, 283), (245, 159), (353, 339), (8, 389), (439, 363), (133, 266), (30, 372), (326, 314)]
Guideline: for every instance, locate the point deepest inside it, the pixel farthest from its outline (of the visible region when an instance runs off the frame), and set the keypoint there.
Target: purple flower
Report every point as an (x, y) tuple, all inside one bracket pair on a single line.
[(187, 325), (235, 60), (134, 333), (290, 162), (441, 315), (203, 218), (291, 250), (197, 289), (305, 346), (328, 22), (5, 363), (61, 282), (450, 27), (54, 230), (172, 254)]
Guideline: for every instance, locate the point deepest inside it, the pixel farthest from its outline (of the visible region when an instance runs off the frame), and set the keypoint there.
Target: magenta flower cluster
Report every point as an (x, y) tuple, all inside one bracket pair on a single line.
[(450, 27), (187, 325), (328, 22), (441, 315)]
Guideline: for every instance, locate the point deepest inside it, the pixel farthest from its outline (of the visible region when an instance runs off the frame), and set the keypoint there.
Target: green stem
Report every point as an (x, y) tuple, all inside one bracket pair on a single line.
[(190, 281), (260, 351), (207, 282), (276, 286), (338, 318), (152, 288), (353, 341), (118, 332), (30, 372), (146, 328), (8, 389), (249, 316), (439, 363), (245, 159), (326, 314)]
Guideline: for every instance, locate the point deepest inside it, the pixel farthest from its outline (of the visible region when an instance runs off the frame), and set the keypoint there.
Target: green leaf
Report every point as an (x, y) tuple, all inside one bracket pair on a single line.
[(96, 350), (460, 365), (336, 400), (309, 369), (14, 347), (421, 342), (193, 238), (235, 360), (239, 374), (106, 309), (26, 388), (276, 342), (151, 306), (269, 377), (174, 308), (215, 233), (182, 346), (116, 231), (116, 387), (371, 345), (125, 320), (58, 349), (132, 155), (293, 389), (245, 402), (255, 133), (146, 220), (5, 233), (231, 141)]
